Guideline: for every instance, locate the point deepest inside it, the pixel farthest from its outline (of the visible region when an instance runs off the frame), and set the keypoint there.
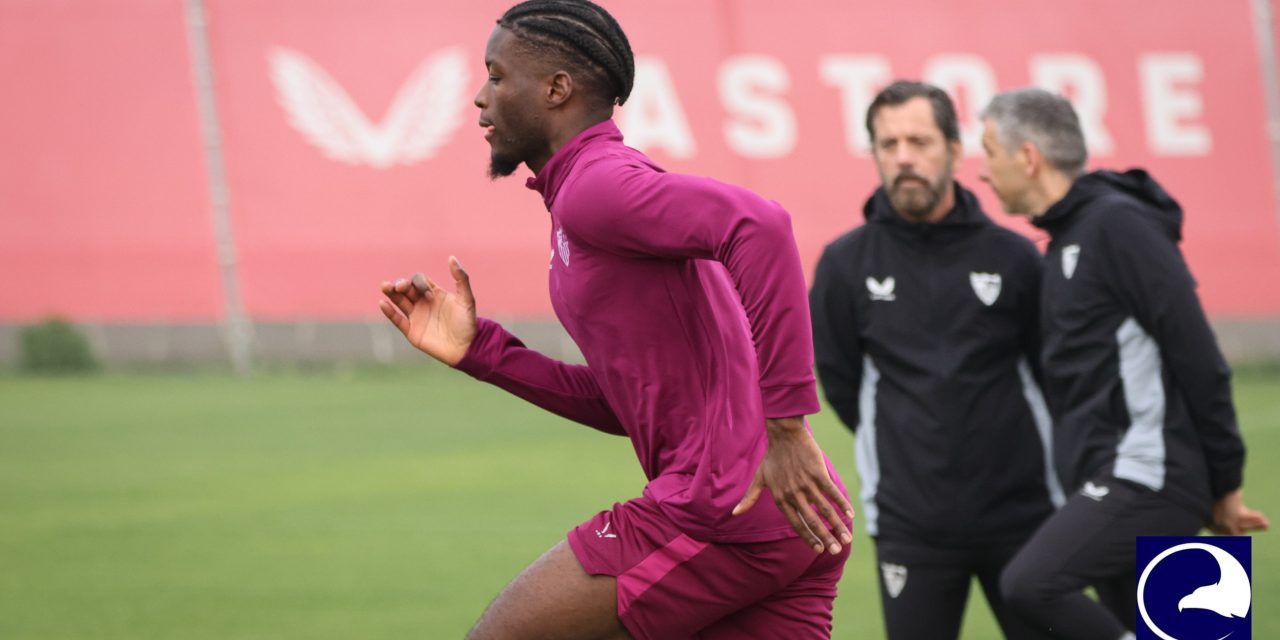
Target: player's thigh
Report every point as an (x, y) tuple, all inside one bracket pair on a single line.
[(801, 610), (688, 588), (553, 598), (915, 579)]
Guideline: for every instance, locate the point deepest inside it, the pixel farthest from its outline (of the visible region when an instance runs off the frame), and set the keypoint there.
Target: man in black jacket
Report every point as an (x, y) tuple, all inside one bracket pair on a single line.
[(1145, 430), (924, 323)]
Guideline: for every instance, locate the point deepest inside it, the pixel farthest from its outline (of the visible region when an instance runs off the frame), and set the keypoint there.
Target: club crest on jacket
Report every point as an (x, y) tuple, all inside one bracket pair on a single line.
[(986, 286), (562, 243), (1070, 258)]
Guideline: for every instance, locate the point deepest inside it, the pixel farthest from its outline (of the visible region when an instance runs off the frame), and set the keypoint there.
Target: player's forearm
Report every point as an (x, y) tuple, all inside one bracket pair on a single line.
[(569, 391)]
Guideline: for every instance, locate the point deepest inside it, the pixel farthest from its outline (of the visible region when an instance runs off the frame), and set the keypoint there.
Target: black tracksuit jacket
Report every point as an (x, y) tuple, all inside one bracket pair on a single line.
[(1132, 372), (925, 337)]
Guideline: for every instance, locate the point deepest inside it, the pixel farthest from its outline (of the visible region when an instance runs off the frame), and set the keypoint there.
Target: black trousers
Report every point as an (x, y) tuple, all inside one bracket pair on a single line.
[(1090, 541), (924, 588)]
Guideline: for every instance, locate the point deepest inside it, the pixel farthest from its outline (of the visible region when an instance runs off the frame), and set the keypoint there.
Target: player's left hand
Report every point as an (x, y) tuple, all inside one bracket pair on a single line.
[(1232, 518), (795, 472)]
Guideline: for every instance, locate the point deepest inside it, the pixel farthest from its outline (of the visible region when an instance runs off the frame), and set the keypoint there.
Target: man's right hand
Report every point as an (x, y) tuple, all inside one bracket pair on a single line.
[(1232, 518), (440, 323)]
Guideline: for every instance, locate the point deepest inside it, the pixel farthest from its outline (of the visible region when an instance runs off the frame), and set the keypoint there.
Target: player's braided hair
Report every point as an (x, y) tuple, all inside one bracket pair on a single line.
[(581, 32)]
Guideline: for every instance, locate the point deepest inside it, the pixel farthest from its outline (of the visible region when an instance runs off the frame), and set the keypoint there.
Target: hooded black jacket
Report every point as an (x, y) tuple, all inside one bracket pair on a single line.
[(935, 380), (1133, 375)]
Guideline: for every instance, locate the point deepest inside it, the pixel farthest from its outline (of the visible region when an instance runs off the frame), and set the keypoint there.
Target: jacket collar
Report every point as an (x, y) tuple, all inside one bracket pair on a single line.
[(558, 168)]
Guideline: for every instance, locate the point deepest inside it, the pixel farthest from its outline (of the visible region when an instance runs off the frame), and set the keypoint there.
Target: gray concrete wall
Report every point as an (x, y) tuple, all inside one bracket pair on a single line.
[(312, 344), (303, 344)]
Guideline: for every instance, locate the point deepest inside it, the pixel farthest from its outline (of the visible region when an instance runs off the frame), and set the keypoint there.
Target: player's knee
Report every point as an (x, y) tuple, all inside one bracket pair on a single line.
[(1023, 587)]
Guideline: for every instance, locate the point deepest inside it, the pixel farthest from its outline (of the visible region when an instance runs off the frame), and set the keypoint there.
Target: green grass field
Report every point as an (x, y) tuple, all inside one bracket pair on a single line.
[(356, 504)]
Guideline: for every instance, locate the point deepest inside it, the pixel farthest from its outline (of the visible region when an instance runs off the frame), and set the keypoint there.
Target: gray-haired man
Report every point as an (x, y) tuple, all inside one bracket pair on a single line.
[(1145, 429)]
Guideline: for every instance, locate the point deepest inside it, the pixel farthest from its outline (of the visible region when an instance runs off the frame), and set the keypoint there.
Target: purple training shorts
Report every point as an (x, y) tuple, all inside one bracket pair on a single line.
[(671, 586)]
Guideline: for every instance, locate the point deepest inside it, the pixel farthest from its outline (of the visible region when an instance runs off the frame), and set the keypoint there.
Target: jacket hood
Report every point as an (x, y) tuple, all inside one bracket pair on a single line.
[(1135, 183)]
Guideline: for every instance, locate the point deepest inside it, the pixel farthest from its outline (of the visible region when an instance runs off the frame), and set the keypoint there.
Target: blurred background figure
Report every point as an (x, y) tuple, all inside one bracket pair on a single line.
[(1120, 321), (925, 333)]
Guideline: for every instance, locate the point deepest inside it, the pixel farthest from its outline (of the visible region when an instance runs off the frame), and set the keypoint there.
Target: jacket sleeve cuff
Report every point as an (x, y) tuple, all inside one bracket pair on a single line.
[(482, 354), (1226, 480), (790, 400)]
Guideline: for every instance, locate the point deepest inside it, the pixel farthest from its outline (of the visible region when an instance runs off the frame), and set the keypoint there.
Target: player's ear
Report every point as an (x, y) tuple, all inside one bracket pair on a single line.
[(559, 87)]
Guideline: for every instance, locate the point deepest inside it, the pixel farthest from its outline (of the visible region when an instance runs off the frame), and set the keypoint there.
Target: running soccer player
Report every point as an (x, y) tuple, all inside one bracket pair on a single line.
[(925, 330), (1145, 429), (687, 298)]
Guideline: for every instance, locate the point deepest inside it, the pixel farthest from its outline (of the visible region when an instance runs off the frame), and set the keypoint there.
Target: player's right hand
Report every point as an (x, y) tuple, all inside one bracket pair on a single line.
[(795, 472), (440, 323)]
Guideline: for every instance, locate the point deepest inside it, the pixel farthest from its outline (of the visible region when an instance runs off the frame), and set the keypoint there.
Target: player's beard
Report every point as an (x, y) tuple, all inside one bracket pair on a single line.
[(501, 166), (510, 153), (516, 139)]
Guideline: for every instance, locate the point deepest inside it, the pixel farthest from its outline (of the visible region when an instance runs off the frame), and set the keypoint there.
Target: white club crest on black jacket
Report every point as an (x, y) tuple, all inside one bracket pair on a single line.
[(925, 338)]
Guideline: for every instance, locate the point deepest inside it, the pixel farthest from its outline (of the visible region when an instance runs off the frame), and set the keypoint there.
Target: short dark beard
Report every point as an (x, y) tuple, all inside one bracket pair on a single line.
[(501, 167), (917, 210), (935, 192)]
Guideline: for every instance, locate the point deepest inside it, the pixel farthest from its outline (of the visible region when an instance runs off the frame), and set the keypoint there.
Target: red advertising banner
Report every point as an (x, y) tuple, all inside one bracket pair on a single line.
[(353, 155), (104, 211)]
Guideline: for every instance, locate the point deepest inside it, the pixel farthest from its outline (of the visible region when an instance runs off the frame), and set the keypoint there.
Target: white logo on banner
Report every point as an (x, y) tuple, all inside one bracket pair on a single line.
[(1070, 258), (895, 578), (426, 110), (987, 286), (881, 290)]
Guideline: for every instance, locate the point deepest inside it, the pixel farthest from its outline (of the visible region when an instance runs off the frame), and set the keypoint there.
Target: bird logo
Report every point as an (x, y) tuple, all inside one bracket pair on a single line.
[(1229, 597)]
